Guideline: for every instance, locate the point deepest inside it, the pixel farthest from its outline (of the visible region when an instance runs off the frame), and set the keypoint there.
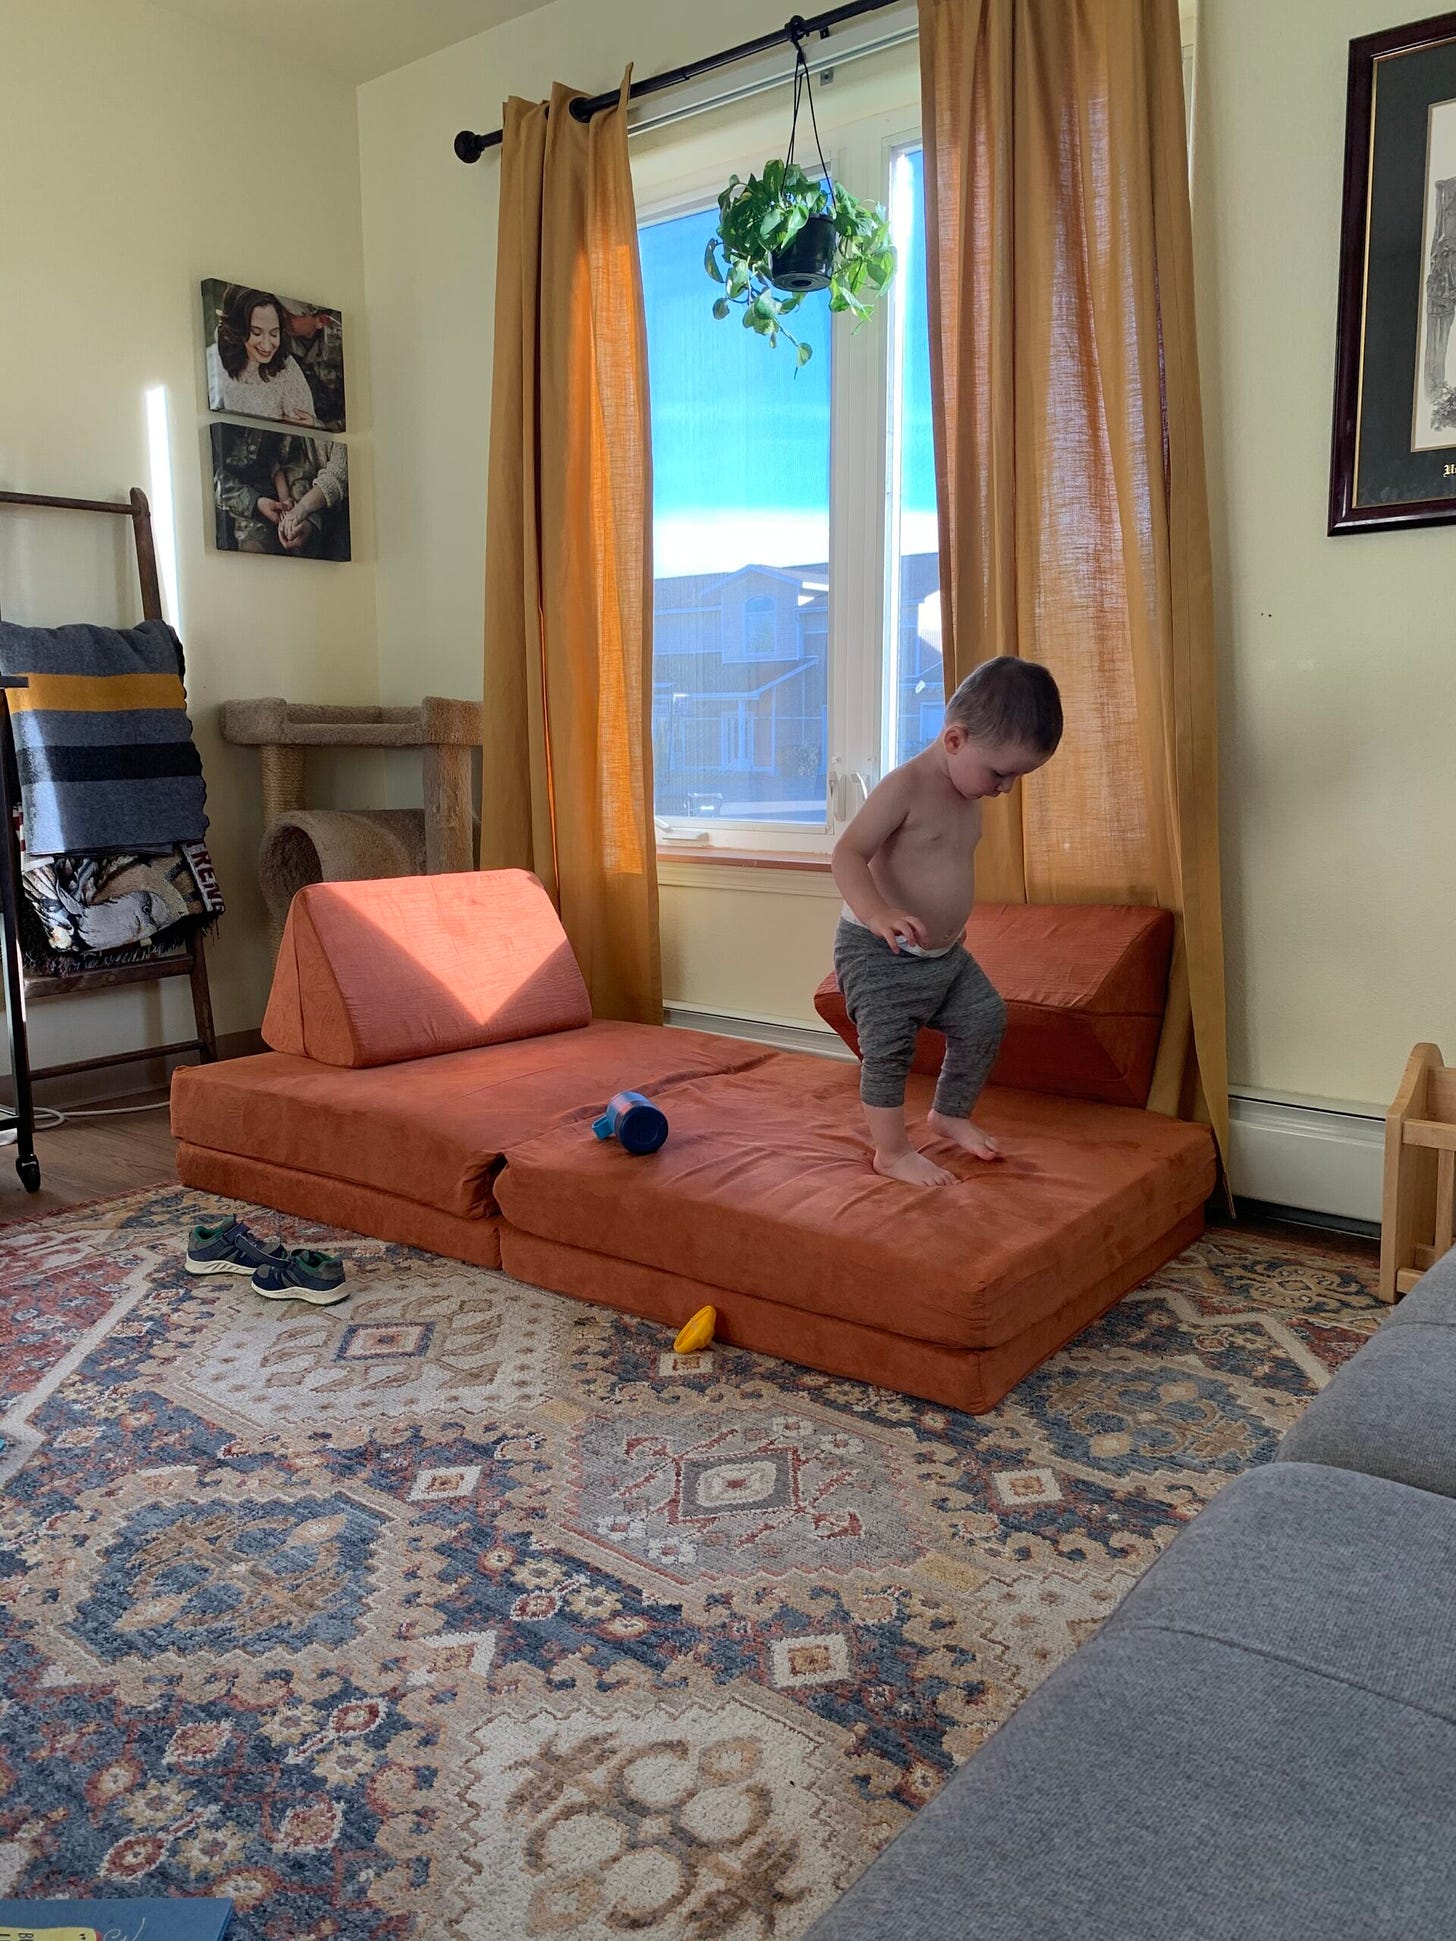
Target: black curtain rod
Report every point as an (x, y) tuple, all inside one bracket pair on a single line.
[(470, 147)]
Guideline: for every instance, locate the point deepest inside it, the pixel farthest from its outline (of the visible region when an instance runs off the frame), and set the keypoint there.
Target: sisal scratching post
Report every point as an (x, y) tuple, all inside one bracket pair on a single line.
[(282, 782), (449, 823)]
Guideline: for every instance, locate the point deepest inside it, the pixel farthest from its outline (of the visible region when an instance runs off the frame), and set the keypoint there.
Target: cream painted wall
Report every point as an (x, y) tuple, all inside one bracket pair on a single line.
[(1338, 672), (139, 153)]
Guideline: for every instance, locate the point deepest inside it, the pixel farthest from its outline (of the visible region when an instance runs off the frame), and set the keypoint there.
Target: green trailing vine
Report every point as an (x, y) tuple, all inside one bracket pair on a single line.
[(760, 217)]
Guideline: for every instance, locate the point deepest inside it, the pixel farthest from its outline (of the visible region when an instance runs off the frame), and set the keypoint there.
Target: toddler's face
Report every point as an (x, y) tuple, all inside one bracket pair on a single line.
[(981, 768)]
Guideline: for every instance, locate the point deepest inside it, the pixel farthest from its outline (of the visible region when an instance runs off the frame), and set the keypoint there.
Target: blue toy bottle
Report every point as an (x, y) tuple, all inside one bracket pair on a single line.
[(635, 1121)]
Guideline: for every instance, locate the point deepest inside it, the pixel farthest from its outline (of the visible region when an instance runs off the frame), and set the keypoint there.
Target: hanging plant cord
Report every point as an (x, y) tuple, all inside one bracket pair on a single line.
[(782, 235), (803, 85)]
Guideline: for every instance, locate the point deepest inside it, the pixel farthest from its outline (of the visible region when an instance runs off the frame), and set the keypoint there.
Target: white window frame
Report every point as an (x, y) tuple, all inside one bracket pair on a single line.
[(860, 149)]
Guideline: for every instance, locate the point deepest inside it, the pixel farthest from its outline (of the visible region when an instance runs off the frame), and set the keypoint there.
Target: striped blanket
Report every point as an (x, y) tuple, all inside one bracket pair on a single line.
[(102, 738)]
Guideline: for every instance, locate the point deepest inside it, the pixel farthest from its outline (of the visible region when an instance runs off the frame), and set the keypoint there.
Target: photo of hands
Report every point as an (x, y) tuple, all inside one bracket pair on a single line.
[(280, 492)]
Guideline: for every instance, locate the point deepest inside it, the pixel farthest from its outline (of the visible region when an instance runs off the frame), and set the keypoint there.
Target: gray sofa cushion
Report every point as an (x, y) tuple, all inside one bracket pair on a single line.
[(1262, 1741), (1391, 1411)]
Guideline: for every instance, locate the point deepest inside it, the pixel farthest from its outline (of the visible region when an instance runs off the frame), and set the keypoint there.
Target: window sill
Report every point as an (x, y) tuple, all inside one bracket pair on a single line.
[(755, 871), (716, 857)]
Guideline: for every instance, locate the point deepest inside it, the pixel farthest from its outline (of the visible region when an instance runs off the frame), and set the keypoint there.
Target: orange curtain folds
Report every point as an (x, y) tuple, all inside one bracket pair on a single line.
[(567, 780), (1069, 461)]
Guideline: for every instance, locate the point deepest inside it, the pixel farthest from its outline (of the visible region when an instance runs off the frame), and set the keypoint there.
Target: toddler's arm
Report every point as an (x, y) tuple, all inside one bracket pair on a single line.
[(867, 834)]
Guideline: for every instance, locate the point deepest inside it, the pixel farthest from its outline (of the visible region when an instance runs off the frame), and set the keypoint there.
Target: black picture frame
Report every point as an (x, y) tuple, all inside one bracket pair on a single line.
[(1390, 464)]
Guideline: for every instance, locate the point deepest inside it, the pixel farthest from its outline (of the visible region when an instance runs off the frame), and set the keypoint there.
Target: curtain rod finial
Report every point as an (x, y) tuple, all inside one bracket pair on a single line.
[(469, 147)]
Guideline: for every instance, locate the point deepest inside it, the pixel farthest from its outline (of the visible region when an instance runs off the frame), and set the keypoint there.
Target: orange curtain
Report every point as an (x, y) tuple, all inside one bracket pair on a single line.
[(567, 778), (1069, 462)]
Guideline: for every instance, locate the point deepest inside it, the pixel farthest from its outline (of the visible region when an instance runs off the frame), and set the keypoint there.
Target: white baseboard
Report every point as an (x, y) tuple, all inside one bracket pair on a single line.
[(784, 1034), (1320, 1159), (1307, 1154)]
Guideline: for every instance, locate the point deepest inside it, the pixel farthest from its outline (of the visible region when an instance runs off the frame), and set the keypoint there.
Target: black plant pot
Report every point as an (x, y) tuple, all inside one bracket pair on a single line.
[(808, 259)]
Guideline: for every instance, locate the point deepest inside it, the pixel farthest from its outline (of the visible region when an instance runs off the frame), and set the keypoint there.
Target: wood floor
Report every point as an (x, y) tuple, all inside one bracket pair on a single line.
[(91, 1159)]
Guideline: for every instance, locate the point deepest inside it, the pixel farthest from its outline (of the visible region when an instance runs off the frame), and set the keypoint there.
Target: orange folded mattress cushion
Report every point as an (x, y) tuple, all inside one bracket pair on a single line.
[(765, 1187), (431, 1130), (1085, 987), (374, 973)]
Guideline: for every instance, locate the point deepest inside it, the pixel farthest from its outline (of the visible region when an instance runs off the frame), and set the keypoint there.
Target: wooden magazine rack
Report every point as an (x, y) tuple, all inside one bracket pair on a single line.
[(20, 986)]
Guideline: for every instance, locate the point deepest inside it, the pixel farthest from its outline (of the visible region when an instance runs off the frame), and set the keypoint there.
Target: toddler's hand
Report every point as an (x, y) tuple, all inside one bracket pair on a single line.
[(894, 925)]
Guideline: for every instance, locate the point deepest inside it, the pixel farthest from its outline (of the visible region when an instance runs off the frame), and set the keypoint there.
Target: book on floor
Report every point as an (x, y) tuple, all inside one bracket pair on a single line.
[(115, 1920)]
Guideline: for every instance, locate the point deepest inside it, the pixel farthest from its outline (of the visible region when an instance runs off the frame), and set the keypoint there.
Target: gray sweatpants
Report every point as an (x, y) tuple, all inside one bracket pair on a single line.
[(890, 995)]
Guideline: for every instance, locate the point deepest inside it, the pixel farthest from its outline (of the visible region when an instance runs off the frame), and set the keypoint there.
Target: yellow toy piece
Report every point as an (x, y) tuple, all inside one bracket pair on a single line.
[(698, 1332)]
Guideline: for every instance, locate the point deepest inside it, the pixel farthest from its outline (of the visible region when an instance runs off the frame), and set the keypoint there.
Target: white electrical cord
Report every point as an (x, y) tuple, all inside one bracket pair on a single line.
[(53, 1117), (48, 1117)]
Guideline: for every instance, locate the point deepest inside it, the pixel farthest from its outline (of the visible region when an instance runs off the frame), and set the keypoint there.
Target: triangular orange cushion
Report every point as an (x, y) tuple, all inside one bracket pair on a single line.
[(378, 972), (1085, 986)]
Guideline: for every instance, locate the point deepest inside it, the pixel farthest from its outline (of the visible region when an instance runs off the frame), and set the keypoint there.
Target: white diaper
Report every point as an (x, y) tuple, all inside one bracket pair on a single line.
[(911, 950)]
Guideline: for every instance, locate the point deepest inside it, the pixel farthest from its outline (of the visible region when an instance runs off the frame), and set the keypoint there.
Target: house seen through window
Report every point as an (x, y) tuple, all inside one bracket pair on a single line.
[(797, 615)]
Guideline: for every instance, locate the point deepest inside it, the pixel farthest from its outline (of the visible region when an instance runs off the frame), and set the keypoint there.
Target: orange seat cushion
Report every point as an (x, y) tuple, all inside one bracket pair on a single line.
[(1085, 987), (765, 1188), (432, 1130), (413, 966)]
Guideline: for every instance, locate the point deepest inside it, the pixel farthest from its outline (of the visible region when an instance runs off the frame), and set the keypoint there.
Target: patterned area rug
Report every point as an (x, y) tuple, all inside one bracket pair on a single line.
[(464, 1610)]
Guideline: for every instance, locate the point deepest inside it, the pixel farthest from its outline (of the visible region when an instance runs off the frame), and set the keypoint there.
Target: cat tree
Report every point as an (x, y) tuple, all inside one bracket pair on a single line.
[(303, 845)]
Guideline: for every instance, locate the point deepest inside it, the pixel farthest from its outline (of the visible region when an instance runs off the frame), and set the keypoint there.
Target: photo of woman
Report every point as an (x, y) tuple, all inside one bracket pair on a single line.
[(273, 357)]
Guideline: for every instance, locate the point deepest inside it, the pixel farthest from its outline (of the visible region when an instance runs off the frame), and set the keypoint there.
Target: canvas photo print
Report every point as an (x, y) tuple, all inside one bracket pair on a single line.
[(284, 493), (271, 356)]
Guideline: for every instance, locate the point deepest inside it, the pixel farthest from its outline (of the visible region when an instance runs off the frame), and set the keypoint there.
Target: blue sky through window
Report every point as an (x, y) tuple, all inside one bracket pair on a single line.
[(737, 429), (741, 473)]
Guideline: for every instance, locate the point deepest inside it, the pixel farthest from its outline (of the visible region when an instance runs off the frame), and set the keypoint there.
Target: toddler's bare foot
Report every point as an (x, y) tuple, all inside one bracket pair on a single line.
[(913, 1168), (962, 1133)]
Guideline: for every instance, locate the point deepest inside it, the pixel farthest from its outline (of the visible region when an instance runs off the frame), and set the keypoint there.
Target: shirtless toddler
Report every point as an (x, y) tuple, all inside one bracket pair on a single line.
[(906, 867)]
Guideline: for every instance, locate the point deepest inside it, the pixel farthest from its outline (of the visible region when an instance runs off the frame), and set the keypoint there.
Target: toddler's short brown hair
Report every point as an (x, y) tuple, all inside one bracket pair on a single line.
[(1009, 700)]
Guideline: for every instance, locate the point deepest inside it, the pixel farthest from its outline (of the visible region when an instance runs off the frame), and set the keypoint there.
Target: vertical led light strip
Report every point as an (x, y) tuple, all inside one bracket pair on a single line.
[(164, 522)]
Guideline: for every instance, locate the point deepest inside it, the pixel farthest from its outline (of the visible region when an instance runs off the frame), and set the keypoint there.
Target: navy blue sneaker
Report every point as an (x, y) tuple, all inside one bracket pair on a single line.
[(303, 1274), (230, 1248)]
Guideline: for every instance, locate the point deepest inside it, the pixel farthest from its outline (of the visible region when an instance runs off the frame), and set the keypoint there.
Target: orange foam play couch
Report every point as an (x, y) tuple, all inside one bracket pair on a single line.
[(435, 1071)]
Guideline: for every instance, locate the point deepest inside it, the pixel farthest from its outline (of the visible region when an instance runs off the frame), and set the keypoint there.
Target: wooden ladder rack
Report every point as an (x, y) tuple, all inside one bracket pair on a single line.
[(20, 986)]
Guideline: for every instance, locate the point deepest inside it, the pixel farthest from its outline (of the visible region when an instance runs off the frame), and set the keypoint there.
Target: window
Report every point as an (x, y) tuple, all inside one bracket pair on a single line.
[(796, 612), (760, 628)]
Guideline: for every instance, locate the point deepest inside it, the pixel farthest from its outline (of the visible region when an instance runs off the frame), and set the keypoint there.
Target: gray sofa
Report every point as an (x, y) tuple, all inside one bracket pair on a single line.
[(1262, 1740)]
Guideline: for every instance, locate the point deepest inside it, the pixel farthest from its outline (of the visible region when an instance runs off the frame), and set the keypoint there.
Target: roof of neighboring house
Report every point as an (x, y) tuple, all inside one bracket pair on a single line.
[(688, 620)]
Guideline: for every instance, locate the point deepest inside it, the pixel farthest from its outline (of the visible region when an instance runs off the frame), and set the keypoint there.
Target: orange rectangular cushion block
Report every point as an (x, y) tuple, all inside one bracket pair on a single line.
[(765, 1187), (1085, 987), (339, 1203), (432, 1130), (413, 966)]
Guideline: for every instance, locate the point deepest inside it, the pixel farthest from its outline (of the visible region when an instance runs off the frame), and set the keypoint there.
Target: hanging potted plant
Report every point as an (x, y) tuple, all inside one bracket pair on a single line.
[(783, 234)]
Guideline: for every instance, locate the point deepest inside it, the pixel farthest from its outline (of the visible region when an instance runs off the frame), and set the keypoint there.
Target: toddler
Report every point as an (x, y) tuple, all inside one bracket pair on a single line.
[(907, 868)]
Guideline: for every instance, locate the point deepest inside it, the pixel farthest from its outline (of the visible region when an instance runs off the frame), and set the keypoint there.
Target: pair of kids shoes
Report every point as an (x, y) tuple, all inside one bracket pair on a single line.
[(276, 1272)]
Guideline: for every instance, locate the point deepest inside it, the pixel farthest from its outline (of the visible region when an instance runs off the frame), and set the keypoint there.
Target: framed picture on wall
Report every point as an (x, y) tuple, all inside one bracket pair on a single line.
[(271, 356), (1393, 460), (283, 493)]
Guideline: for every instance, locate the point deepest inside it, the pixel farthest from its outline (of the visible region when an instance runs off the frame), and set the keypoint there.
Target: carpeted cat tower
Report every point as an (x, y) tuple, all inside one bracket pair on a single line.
[(303, 845)]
